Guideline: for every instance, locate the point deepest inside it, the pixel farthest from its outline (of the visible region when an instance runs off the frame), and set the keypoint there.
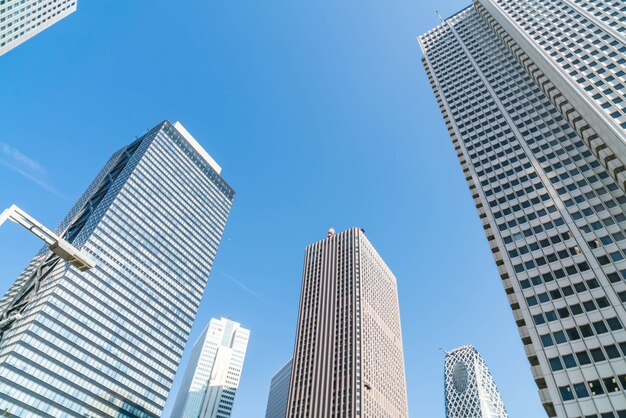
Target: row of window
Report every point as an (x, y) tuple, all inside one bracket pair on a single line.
[(583, 358), (575, 333), (593, 388), (572, 310), (559, 293)]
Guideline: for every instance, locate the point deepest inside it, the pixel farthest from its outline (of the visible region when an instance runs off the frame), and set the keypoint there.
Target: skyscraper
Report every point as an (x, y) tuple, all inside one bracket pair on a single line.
[(279, 393), (470, 389), (532, 96), (108, 341), (21, 20), (348, 360), (213, 372)]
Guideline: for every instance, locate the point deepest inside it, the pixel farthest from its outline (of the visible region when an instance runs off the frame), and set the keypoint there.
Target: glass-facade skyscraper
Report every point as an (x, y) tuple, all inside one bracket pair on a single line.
[(21, 20), (279, 393), (107, 342), (212, 377), (532, 94), (469, 387), (348, 358)]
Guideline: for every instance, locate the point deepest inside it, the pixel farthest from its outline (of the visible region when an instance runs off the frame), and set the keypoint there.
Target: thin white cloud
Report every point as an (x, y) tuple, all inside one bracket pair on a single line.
[(243, 286), (20, 158), (26, 167)]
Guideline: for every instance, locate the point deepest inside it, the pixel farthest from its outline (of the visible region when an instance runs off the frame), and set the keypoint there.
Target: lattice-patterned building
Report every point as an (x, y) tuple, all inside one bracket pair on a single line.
[(348, 360), (470, 389), (533, 95)]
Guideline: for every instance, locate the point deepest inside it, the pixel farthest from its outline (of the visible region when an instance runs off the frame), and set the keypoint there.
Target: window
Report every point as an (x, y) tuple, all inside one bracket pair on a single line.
[(614, 324), (555, 364), (566, 393), (610, 383), (586, 330), (573, 334), (559, 337), (569, 361), (581, 390), (597, 354), (546, 340), (595, 388), (583, 358), (600, 327), (612, 351)]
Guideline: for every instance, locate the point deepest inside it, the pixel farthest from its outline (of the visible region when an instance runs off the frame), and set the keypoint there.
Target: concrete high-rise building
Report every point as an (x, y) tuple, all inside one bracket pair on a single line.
[(213, 372), (470, 389), (107, 342), (21, 20), (532, 94), (348, 360), (279, 393)]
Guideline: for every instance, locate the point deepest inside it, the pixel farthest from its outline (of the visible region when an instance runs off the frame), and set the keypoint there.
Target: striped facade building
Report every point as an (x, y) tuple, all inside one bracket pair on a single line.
[(348, 359)]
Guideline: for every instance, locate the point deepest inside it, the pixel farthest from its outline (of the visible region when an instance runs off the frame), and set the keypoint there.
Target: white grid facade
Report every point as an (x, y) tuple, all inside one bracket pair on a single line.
[(213, 372), (470, 389), (20, 20), (548, 183)]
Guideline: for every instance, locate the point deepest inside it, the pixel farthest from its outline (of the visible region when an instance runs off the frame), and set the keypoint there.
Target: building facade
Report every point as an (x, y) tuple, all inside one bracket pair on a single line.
[(108, 341), (348, 359), (469, 387), (20, 20), (279, 393), (532, 96), (213, 372)]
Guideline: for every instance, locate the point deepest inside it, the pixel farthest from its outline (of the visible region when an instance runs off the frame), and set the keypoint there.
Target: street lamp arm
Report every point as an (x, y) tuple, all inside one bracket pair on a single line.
[(57, 245)]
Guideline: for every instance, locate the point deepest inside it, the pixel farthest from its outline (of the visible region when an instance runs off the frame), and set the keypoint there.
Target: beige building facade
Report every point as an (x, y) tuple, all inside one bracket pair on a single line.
[(348, 357)]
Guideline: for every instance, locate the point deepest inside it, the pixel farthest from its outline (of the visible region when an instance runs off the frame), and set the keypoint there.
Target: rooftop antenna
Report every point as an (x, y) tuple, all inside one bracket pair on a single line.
[(445, 352), (439, 14)]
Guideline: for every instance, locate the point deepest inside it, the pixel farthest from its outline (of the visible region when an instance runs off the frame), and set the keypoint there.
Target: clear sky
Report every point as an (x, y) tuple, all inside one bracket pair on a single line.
[(321, 116)]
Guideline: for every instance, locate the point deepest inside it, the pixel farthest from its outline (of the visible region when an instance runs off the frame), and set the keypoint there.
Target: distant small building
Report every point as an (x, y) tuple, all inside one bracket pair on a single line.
[(213, 372), (470, 389), (279, 393)]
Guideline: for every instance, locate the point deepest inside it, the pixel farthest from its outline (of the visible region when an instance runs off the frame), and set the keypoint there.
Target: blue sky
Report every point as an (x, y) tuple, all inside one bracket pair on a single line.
[(321, 116)]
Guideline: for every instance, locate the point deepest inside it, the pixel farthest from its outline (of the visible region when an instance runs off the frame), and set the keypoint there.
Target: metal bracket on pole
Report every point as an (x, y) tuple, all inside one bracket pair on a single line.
[(57, 245), (61, 249)]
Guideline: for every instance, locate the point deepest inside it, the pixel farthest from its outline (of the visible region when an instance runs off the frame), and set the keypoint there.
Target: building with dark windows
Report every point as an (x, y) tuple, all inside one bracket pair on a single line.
[(469, 387), (348, 359), (213, 372), (21, 20), (107, 342), (279, 393), (532, 94)]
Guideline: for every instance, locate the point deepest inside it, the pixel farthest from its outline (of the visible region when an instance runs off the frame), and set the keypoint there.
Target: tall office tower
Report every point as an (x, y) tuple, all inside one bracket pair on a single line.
[(279, 393), (213, 372), (532, 96), (21, 20), (108, 341), (470, 389), (348, 360)]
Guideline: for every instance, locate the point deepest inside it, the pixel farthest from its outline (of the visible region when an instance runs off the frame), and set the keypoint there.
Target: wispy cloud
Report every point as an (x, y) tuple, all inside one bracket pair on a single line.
[(243, 286), (26, 167)]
